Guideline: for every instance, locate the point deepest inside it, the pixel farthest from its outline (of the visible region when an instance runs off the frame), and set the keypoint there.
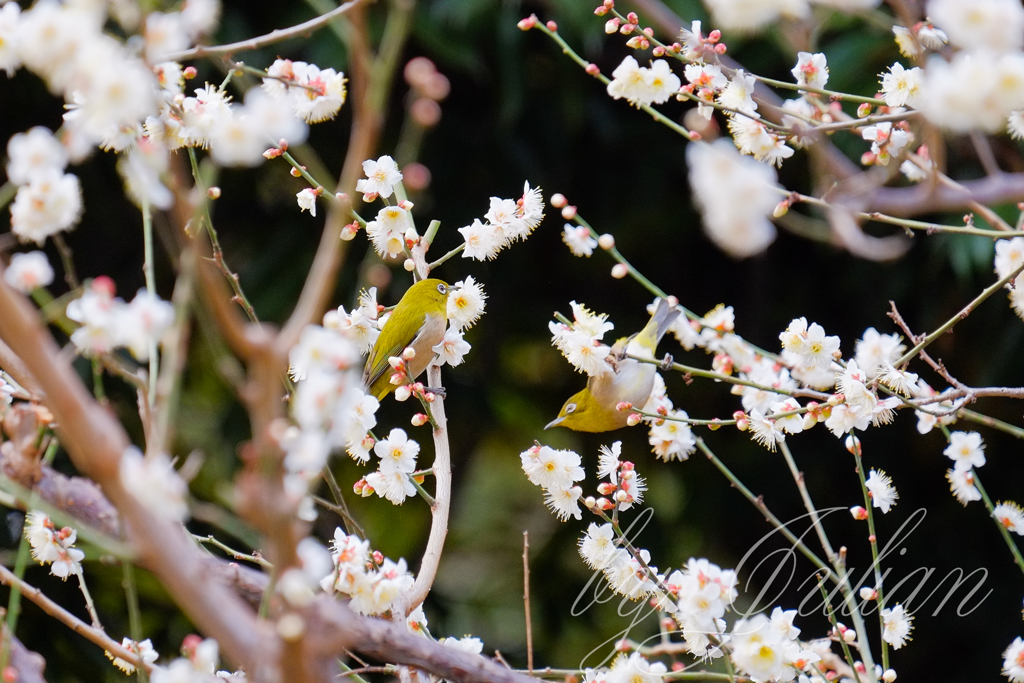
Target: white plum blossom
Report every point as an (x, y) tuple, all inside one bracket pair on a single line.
[(10, 17), (886, 141), (751, 15), (580, 343), (387, 231), (451, 350), (758, 649), (142, 323), (143, 649), (965, 450), (896, 626), (874, 350), (506, 222), (735, 197), (1010, 515), (764, 431), (1013, 661), (578, 239), (556, 472), (28, 271), (961, 484), (53, 546), (753, 138), (737, 94), (880, 489), (373, 590), (902, 87), (154, 482), (306, 198), (33, 152), (381, 177), (641, 85), (996, 89), (598, 545), (49, 203), (996, 25), (811, 69), (314, 94), (466, 303), (809, 343)]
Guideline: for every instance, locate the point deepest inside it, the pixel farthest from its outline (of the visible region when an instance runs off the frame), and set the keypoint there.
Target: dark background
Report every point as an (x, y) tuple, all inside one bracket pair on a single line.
[(519, 110)]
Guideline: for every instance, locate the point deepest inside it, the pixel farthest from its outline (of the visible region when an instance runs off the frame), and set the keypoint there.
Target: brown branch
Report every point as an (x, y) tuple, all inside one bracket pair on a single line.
[(336, 628), (18, 372), (91, 633), (1005, 188), (275, 36), (95, 442)]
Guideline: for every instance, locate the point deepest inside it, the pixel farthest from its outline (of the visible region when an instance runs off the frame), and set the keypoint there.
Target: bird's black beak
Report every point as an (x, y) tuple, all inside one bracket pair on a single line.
[(554, 423)]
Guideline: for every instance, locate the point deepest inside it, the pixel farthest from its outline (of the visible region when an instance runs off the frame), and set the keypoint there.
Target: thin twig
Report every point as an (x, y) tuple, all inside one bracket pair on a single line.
[(526, 602), (275, 36)]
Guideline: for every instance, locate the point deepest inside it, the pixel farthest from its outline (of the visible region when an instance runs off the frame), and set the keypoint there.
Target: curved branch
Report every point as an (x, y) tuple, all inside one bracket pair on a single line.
[(442, 503), (275, 36)]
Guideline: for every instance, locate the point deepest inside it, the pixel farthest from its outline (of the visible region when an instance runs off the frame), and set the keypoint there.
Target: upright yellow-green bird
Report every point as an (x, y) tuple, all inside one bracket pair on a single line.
[(418, 321), (593, 408)]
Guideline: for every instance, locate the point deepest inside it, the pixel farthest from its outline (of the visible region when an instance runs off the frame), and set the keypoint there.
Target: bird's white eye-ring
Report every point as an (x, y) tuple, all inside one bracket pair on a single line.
[(570, 408), (442, 289)]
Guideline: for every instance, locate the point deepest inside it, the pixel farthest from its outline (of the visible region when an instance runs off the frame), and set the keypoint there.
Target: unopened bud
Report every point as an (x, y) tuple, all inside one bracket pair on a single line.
[(368, 442), (636, 42), (863, 110), (620, 270), (867, 159), (601, 10), (633, 420), (429, 397), (715, 425), (213, 192), (419, 419), (589, 502), (871, 537), (272, 153), (781, 209), (721, 48), (295, 172), (658, 51), (569, 212), (527, 23), (809, 421), (853, 445), (409, 265), (558, 200), (622, 497), (612, 25), (626, 29), (604, 504), (189, 73), (695, 136), (604, 488), (623, 406), (859, 512), (868, 593), (888, 676), (402, 393), (606, 241), (349, 232), (859, 666), (633, 18), (849, 635), (552, 26)]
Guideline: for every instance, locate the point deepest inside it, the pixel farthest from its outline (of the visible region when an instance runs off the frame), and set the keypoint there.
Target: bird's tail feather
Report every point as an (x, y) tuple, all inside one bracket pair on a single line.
[(661, 320)]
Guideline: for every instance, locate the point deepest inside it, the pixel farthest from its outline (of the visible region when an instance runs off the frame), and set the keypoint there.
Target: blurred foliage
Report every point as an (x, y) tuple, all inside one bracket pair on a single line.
[(520, 110)]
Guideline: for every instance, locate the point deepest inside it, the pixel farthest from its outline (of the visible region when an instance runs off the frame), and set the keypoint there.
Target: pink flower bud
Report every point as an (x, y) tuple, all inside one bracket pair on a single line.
[(378, 557), (568, 212), (402, 393), (213, 192), (368, 442), (604, 504), (558, 200), (633, 419), (552, 26), (295, 172), (859, 666), (601, 10), (611, 26), (863, 110), (781, 209), (853, 445), (868, 593), (527, 23), (272, 153), (189, 73), (714, 36), (604, 488), (610, 4), (429, 397), (419, 419), (658, 51), (620, 270), (695, 136), (649, 32), (632, 18), (720, 48), (859, 513), (349, 232), (623, 406), (636, 42)]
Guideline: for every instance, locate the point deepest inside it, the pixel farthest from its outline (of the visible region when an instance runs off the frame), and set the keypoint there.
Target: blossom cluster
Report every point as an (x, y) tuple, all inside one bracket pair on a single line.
[(556, 472), (107, 322), (373, 582), (506, 221), (53, 546), (580, 342), (48, 200)]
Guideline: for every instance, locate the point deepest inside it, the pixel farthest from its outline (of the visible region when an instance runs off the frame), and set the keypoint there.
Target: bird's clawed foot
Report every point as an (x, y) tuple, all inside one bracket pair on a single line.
[(666, 363)]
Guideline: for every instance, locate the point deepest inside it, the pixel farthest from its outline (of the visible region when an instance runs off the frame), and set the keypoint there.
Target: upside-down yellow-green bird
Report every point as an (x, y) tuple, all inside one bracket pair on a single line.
[(593, 408), (418, 321)]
